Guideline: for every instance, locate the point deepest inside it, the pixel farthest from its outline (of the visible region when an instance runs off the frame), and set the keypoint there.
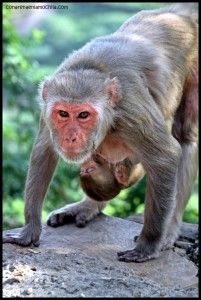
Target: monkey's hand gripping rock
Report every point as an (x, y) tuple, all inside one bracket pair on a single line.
[(80, 213), (29, 234)]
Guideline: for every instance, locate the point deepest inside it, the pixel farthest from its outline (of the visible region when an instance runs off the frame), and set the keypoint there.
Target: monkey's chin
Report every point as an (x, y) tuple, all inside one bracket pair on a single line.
[(75, 158)]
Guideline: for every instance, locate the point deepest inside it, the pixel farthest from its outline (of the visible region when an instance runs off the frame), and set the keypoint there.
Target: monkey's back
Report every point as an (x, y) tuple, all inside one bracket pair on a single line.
[(175, 35), (175, 28)]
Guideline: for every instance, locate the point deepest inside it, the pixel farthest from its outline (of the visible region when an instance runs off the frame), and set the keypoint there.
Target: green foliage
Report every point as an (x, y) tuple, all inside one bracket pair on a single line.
[(12, 207), (18, 138), (20, 73), (191, 211), (127, 201), (28, 58)]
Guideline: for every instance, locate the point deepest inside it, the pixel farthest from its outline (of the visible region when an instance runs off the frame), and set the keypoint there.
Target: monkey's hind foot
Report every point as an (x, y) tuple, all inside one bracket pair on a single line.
[(59, 218), (80, 213), (136, 255)]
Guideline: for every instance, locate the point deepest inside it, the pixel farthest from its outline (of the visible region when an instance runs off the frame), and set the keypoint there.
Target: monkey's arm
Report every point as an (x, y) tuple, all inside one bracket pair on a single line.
[(43, 161), (128, 174)]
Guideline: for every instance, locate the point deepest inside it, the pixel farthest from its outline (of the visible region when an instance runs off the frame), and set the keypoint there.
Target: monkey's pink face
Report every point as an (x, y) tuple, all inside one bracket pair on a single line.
[(74, 124)]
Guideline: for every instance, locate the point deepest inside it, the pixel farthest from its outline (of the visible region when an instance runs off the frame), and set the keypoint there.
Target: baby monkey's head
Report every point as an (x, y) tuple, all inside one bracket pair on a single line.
[(97, 177)]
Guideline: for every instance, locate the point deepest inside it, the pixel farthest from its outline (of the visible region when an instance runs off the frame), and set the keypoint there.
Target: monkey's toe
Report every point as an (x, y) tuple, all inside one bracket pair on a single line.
[(59, 219), (81, 220)]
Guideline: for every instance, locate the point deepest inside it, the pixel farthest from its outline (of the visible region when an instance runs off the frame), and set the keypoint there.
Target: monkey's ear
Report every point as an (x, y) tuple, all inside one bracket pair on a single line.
[(113, 91), (45, 90)]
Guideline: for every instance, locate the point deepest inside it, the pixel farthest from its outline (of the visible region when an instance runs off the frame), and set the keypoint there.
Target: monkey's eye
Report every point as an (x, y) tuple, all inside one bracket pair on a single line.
[(63, 114), (83, 115)]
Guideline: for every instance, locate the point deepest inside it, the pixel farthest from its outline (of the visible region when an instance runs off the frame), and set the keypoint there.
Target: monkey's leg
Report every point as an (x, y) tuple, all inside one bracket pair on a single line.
[(42, 165), (160, 155), (187, 172), (81, 213)]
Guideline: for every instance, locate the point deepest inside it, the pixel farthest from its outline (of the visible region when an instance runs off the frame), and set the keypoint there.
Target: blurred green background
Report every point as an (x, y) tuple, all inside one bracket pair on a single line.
[(35, 41)]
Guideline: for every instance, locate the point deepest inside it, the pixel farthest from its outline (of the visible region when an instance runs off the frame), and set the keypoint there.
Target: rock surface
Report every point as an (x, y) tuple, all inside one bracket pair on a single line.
[(82, 262)]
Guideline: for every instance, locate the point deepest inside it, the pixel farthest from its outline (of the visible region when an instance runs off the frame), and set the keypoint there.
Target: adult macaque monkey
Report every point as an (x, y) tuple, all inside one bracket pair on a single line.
[(141, 84)]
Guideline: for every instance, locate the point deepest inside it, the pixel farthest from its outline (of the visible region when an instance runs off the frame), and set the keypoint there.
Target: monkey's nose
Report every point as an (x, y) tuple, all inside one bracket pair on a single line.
[(71, 140)]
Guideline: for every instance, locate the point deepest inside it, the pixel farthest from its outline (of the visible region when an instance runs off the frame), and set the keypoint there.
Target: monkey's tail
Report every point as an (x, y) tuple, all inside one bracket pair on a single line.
[(185, 9)]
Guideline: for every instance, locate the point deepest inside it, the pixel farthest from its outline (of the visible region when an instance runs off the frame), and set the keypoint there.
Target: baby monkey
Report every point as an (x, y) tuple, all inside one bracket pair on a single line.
[(102, 180)]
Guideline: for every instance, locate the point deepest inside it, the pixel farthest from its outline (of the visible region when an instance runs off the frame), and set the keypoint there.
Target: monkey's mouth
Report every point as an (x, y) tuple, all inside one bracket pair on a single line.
[(71, 152), (75, 155)]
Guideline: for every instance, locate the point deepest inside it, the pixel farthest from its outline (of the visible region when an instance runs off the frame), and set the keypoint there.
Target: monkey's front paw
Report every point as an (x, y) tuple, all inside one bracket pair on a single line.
[(30, 234), (136, 255)]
